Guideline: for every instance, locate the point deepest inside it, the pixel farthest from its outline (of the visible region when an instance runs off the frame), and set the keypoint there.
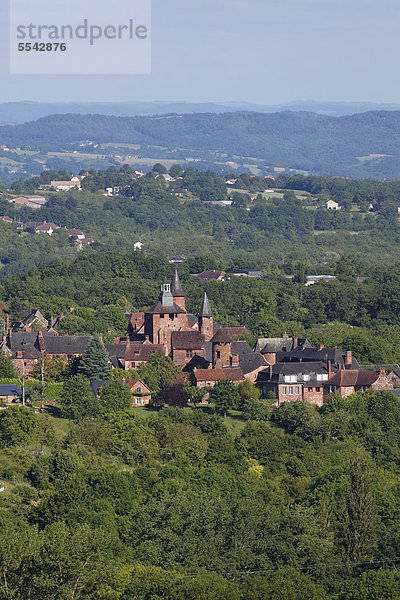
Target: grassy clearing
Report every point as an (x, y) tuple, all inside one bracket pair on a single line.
[(235, 423), (117, 145), (61, 426)]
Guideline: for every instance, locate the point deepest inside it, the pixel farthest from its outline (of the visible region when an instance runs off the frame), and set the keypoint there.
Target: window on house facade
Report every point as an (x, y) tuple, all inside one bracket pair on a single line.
[(297, 390), (290, 391), (171, 317), (284, 391), (139, 401), (309, 389), (138, 390), (306, 377), (189, 353), (318, 389), (218, 354)]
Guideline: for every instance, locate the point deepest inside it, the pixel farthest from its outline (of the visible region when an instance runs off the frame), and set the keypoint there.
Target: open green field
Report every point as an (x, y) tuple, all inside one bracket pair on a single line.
[(370, 157), (114, 145)]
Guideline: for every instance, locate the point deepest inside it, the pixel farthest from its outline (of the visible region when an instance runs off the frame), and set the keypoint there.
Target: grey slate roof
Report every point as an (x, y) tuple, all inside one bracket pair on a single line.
[(66, 344), (205, 310), (251, 361), (117, 350), (25, 343), (333, 355), (223, 335), (159, 309), (241, 347), (176, 287), (96, 384), (208, 352), (20, 339), (274, 344), (10, 389), (197, 362)]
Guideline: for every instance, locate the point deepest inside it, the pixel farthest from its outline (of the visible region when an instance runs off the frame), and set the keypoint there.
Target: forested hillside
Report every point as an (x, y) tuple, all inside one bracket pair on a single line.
[(298, 503), (360, 145), (264, 226)]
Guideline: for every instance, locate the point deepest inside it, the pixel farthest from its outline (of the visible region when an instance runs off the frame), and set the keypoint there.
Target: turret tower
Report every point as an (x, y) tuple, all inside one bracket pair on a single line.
[(205, 315), (177, 291)]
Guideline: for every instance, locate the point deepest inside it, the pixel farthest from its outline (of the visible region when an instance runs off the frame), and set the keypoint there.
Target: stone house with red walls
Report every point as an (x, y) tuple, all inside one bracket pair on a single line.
[(349, 381), (299, 381), (209, 377), (230, 359), (141, 393), (186, 345), (22, 350), (134, 354)]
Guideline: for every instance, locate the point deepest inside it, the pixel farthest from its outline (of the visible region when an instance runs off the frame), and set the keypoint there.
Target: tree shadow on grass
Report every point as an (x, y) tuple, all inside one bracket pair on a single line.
[(53, 411)]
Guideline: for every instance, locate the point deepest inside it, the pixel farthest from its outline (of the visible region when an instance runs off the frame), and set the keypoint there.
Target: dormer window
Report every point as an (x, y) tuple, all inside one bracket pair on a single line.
[(322, 377)]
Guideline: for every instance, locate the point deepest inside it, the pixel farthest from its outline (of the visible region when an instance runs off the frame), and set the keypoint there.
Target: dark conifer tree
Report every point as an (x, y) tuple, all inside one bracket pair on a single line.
[(95, 363)]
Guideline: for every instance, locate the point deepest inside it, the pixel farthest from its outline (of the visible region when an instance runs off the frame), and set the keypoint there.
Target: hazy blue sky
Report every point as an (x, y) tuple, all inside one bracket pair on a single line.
[(264, 51)]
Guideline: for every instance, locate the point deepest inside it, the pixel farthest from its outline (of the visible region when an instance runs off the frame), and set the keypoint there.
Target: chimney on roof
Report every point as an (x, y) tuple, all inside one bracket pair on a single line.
[(348, 359), (329, 369), (234, 360), (285, 336), (295, 342), (382, 372), (321, 347)]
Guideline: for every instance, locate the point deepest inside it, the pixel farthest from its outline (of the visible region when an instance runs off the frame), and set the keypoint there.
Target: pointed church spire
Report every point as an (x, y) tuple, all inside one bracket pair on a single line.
[(205, 310), (176, 287)]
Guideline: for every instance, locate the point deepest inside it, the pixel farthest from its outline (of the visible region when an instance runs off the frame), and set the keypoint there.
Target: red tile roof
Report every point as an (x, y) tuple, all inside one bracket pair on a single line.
[(353, 378), (188, 340), (141, 352), (209, 374), (234, 373)]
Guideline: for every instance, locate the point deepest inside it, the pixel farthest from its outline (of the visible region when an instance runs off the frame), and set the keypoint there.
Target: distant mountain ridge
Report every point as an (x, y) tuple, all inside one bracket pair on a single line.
[(360, 145), (21, 112)]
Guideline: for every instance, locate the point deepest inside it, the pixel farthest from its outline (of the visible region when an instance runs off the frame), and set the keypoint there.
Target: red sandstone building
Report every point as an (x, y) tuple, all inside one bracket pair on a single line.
[(346, 382)]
